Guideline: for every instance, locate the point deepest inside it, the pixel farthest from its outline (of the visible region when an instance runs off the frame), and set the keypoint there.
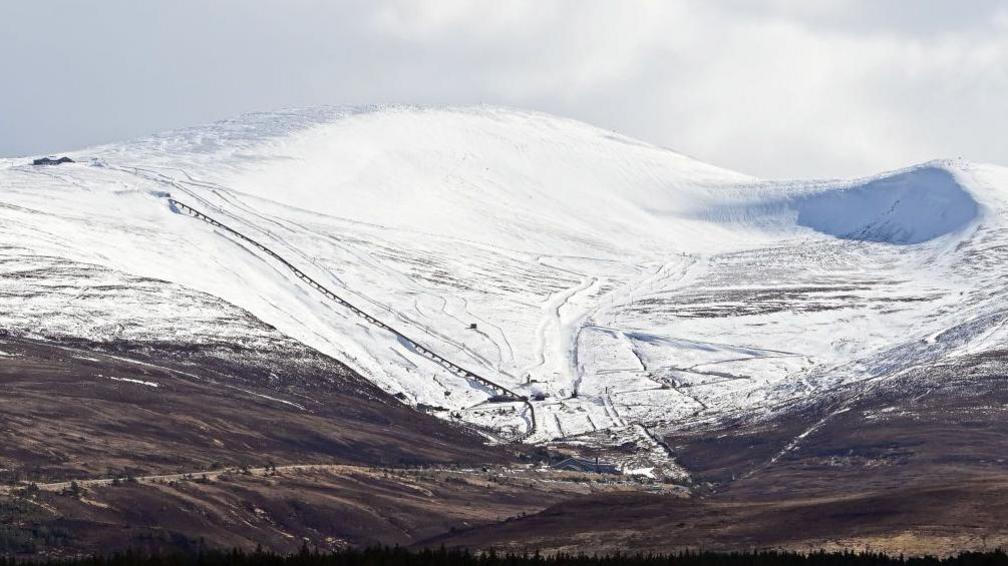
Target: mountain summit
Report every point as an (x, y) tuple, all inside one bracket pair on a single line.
[(531, 276)]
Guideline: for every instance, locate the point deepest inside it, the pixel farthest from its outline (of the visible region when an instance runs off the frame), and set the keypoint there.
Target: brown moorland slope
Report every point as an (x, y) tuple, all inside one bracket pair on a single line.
[(915, 464)]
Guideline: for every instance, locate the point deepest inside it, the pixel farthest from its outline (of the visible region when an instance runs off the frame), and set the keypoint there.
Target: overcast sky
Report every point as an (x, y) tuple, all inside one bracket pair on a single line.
[(779, 88)]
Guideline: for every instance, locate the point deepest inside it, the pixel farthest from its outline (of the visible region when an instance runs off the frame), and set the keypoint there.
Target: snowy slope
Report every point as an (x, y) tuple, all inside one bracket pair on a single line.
[(619, 284)]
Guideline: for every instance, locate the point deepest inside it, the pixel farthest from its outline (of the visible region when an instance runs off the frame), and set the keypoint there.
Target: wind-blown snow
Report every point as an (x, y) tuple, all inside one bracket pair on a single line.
[(905, 208), (627, 285)]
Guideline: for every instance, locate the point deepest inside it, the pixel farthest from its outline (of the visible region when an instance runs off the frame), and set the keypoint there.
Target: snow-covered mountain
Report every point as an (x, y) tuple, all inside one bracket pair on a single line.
[(620, 286)]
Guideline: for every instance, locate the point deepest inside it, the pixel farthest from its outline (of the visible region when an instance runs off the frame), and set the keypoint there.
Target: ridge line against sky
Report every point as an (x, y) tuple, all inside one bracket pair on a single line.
[(778, 88)]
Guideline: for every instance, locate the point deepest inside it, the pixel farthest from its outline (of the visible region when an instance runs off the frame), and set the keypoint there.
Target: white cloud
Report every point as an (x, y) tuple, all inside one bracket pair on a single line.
[(774, 88)]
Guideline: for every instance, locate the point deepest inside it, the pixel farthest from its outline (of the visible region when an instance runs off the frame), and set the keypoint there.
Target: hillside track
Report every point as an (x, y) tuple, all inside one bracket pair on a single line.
[(418, 347)]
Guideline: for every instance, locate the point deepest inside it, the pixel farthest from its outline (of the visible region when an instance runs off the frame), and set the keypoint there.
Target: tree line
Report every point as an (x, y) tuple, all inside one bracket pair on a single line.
[(395, 556)]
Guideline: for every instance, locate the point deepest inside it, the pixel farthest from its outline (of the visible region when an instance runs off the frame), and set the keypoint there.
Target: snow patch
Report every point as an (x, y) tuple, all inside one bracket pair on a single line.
[(131, 380)]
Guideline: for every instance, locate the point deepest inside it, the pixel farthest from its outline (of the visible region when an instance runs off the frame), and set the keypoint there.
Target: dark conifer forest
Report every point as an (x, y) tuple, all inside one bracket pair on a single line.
[(389, 556)]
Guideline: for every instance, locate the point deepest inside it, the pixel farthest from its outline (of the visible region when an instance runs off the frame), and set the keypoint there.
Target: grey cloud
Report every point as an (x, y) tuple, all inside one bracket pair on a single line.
[(774, 88)]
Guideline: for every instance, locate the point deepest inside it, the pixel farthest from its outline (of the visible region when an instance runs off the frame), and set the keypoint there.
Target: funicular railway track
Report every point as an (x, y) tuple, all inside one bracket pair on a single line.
[(497, 388)]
